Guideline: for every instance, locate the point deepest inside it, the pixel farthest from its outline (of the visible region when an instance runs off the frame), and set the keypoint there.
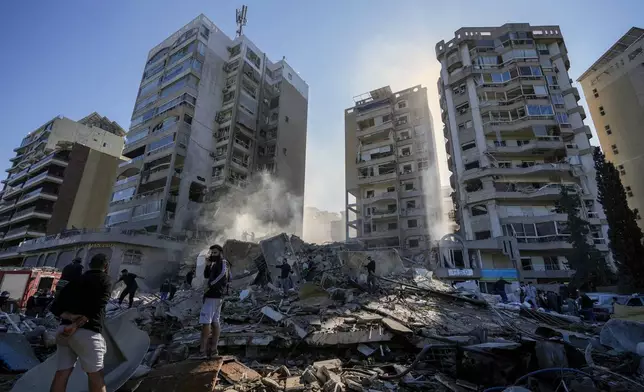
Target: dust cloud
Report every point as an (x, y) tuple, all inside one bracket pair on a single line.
[(262, 209)]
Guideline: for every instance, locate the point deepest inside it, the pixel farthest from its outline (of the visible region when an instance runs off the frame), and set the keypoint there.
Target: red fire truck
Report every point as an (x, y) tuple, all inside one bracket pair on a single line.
[(23, 282)]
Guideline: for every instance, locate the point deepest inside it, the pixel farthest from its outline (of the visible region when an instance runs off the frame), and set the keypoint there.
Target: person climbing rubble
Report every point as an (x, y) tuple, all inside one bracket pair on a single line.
[(130, 286), (217, 275), (371, 274), (499, 289), (81, 308)]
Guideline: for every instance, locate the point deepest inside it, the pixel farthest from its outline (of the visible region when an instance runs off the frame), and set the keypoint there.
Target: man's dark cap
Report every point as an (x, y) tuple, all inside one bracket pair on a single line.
[(77, 260), (123, 271)]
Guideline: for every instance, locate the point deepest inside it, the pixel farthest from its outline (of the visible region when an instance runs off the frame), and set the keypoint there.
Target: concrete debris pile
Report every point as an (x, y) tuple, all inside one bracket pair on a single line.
[(330, 333)]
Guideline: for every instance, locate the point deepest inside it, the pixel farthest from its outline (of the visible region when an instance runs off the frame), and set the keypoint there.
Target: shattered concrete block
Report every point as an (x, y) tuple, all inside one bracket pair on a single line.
[(550, 354), (334, 382), (348, 337), (353, 386), (395, 326), (308, 376), (271, 384), (272, 314), (623, 335), (329, 364), (369, 318), (235, 371), (293, 384)]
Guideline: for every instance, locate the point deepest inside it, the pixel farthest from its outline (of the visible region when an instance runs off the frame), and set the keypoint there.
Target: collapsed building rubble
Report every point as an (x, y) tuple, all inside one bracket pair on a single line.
[(331, 334)]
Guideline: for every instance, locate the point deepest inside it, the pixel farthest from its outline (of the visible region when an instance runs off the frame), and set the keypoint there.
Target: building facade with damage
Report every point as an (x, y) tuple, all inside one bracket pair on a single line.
[(60, 178), (392, 182), (614, 91), (515, 135), (211, 112)]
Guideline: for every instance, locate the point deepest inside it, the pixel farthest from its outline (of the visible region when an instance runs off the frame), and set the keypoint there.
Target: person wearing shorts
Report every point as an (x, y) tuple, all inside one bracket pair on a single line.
[(217, 275), (81, 308)]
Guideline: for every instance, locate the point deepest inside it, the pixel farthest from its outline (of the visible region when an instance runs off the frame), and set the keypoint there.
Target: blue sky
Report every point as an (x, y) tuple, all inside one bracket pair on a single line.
[(75, 57)]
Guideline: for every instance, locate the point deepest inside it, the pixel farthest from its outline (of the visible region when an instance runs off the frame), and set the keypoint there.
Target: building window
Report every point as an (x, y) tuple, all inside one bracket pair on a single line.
[(409, 186), (629, 191), (468, 146), (286, 118), (551, 263), (402, 104), (482, 235), (622, 171), (504, 164), (411, 204), (465, 125), (614, 148), (405, 151), (370, 194), (608, 130), (132, 256), (595, 93), (392, 226), (290, 77), (526, 263), (472, 165), (601, 111), (463, 108), (187, 119), (413, 243), (500, 143), (391, 189), (412, 223), (386, 118)]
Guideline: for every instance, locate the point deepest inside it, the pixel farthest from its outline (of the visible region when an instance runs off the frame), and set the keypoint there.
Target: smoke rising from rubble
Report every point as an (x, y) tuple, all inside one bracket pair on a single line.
[(436, 218), (265, 207)]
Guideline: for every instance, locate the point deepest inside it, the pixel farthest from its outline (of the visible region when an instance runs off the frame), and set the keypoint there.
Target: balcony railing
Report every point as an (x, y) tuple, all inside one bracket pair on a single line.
[(126, 180), (160, 149), (29, 211), (242, 143)]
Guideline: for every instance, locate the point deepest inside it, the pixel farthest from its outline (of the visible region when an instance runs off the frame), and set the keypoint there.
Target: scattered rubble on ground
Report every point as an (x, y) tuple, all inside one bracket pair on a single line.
[(332, 335)]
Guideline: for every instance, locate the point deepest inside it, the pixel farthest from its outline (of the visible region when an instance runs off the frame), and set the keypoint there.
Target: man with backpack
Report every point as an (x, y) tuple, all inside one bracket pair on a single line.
[(217, 275)]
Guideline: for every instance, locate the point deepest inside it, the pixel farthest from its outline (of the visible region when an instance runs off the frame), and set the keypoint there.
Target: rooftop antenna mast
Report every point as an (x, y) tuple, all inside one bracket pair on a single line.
[(241, 19)]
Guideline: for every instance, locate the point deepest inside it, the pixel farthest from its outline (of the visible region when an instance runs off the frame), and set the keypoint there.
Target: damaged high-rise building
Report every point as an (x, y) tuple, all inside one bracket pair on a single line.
[(515, 135), (211, 112), (392, 183)]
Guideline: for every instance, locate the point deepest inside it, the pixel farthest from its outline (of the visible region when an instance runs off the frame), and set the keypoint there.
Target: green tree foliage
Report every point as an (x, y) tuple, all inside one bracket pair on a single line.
[(624, 234), (588, 263)]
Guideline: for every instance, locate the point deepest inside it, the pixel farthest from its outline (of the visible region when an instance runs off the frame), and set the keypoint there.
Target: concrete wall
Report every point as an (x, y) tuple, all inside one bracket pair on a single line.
[(93, 192), (66, 130)]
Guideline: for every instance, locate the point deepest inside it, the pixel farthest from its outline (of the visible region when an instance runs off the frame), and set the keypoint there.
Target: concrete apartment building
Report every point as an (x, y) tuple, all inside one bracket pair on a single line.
[(515, 134), (391, 170), (211, 112), (60, 178), (614, 90)]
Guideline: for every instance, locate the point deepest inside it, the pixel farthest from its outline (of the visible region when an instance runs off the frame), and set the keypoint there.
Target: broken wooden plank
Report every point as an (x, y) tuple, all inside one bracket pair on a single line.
[(396, 326), (235, 371)]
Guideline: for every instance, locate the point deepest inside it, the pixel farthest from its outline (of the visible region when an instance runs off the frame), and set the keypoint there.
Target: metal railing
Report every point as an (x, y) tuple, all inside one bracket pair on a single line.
[(75, 232), (131, 161)]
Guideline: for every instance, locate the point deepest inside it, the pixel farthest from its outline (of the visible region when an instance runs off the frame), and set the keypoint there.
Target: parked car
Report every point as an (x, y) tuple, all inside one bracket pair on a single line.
[(634, 300)]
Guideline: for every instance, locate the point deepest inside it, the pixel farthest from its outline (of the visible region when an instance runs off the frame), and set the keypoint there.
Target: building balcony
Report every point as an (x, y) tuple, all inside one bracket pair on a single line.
[(381, 234), (383, 128), (10, 252), (491, 128), (52, 158), (127, 181), (534, 218), (239, 164), (241, 145), (167, 149), (378, 161), (155, 173), (544, 273), (14, 178), (381, 196), (7, 205), (375, 179), (42, 177), (415, 231), (533, 146), (519, 170), (30, 213), (384, 214), (550, 193), (378, 110), (550, 242), (454, 62), (412, 193), (145, 217), (25, 231), (218, 180), (418, 211), (35, 195), (134, 161)]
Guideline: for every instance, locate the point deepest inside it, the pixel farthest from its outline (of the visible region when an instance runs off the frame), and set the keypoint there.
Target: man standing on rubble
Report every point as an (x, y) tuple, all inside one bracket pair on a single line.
[(371, 274), (81, 308), (130, 286), (499, 289), (217, 275), (285, 281), (72, 271)]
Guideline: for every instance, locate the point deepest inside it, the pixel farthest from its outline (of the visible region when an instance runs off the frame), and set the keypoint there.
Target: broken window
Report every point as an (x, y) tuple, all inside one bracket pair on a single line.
[(551, 263), (468, 146), (479, 210), (409, 186), (413, 243), (482, 235), (392, 226), (412, 223), (132, 256), (370, 194), (406, 169), (386, 118), (187, 118), (526, 263), (406, 151), (472, 165), (391, 189), (411, 204), (364, 124)]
